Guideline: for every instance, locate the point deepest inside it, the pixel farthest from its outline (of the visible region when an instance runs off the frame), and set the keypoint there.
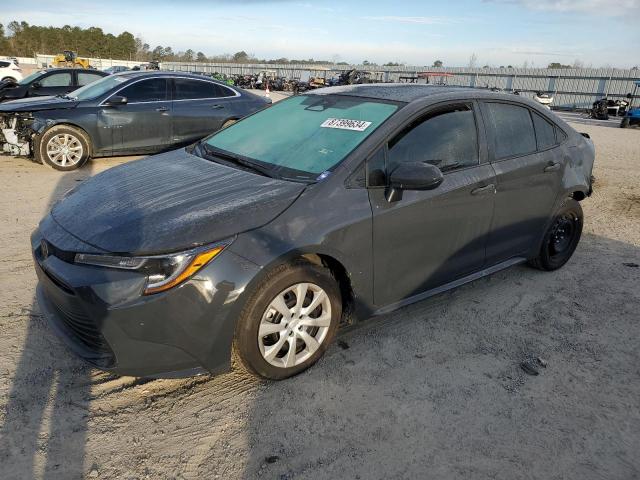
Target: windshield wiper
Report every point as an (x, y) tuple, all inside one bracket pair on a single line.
[(236, 159)]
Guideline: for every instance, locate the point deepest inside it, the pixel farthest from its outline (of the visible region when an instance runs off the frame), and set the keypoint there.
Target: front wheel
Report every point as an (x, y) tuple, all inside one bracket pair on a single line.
[(63, 147), (289, 321), (561, 238)]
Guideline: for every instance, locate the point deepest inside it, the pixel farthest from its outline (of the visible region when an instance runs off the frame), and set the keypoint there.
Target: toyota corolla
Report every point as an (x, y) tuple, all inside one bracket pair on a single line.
[(321, 210)]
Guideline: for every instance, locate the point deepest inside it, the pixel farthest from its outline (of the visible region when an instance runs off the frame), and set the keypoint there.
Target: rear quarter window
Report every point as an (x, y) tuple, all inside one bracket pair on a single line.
[(4, 64), (545, 132), (512, 130)]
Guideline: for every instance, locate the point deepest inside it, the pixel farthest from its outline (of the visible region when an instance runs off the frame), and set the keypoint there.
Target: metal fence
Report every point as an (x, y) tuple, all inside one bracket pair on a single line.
[(41, 60), (572, 88)]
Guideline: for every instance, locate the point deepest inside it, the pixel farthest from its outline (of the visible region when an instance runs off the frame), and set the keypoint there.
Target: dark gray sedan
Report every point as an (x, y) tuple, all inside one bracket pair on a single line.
[(324, 209), (124, 114)]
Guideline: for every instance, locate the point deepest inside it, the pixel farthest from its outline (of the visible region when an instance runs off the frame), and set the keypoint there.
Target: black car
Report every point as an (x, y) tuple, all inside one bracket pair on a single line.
[(325, 208), (121, 114), (53, 81)]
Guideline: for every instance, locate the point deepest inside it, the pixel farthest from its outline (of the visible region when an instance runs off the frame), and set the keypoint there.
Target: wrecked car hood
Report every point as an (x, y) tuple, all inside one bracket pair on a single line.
[(33, 104), (170, 202)]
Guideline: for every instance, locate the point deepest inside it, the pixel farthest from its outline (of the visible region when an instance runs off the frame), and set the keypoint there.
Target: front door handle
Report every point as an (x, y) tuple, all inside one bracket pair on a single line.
[(162, 110), (216, 106), (553, 167), (486, 190)]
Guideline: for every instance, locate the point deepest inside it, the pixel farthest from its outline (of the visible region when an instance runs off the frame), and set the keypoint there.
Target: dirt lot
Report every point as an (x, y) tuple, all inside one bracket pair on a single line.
[(431, 391)]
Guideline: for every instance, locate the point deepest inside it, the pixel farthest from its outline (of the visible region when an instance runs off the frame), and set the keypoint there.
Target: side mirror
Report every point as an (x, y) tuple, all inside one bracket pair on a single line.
[(36, 85), (116, 100), (413, 176)]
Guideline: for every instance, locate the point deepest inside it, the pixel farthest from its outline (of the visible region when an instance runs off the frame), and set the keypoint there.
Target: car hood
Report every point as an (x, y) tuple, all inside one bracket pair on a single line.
[(170, 202), (32, 104)]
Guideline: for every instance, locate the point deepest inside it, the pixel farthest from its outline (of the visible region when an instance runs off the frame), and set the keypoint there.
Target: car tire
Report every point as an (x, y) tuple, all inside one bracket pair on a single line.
[(625, 123), (561, 238), (10, 79), (63, 147), (309, 332)]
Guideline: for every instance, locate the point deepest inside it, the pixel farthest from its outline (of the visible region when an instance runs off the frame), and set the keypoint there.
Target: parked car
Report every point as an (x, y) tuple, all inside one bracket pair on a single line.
[(325, 208), (121, 114), (53, 81), (116, 69), (10, 72)]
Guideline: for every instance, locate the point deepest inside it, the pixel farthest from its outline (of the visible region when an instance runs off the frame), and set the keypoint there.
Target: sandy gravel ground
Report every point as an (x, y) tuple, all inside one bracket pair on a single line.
[(431, 391)]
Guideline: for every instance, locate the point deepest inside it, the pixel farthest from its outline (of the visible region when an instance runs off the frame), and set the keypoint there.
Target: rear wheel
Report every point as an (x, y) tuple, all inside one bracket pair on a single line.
[(562, 237), (289, 321), (63, 147), (625, 122), (9, 79)]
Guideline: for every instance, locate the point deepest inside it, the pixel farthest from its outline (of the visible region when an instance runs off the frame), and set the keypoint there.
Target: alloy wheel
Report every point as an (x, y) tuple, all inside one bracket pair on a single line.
[(294, 325), (64, 150)]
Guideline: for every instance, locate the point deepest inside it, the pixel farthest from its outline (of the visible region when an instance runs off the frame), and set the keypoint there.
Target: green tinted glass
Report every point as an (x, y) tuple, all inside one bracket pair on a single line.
[(310, 133)]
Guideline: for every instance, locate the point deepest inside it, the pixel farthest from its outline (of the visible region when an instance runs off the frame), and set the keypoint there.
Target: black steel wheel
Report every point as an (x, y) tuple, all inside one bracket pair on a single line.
[(561, 238)]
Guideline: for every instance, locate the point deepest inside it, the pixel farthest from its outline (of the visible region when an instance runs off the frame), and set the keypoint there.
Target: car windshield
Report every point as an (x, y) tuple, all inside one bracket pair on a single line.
[(30, 78), (305, 135), (97, 88)]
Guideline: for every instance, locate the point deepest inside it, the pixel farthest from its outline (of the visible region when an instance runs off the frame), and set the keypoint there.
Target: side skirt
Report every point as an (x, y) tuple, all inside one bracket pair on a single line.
[(448, 286)]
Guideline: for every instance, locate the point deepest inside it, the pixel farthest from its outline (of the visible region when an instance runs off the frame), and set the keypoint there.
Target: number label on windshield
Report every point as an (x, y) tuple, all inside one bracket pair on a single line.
[(346, 124)]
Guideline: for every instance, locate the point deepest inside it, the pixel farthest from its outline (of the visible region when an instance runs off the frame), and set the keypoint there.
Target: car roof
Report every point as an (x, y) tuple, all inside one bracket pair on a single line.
[(407, 92), (155, 73), (64, 70)]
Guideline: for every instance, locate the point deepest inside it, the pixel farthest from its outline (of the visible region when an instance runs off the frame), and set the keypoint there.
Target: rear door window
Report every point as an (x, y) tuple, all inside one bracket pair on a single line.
[(4, 64), (512, 129), (545, 134), (56, 80), (85, 78), (187, 89), (152, 90)]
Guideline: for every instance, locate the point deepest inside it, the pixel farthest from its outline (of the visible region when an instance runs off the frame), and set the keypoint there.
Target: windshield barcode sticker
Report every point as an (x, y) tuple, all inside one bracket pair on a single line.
[(346, 124)]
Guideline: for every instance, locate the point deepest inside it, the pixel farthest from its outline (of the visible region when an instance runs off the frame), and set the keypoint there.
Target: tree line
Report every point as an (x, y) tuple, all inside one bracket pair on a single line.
[(20, 39)]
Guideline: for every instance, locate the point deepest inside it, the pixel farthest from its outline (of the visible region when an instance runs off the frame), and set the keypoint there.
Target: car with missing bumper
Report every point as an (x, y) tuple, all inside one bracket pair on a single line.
[(322, 210), (122, 114)]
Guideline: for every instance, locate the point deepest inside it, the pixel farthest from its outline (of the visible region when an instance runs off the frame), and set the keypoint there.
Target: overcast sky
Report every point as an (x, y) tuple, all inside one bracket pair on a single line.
[(499, 32)]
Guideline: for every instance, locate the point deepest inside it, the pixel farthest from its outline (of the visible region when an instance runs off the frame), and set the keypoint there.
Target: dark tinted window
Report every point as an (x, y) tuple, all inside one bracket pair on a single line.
[(56, 80), (512, 130), (152, 90), (84, 78), (4, 64), (560, 135), (192, 89), (545, 135), (447, 139)]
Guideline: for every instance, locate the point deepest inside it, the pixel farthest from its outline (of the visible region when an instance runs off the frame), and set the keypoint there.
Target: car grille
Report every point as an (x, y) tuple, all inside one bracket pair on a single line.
[(79, 326)]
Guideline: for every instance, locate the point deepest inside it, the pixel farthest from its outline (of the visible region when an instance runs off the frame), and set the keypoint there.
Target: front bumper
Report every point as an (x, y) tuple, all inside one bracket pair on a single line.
[(102, 316)]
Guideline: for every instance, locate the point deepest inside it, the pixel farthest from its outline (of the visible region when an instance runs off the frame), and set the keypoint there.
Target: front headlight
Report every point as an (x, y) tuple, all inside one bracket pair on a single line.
[(163, 271)]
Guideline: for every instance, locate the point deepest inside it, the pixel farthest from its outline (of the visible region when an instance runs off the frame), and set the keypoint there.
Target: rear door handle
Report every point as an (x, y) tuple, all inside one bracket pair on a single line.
[(486, 190), (216, 106), (554, 167)]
